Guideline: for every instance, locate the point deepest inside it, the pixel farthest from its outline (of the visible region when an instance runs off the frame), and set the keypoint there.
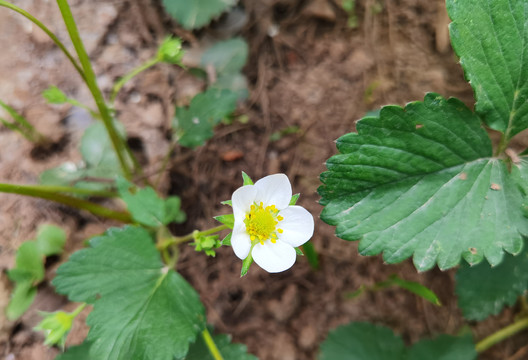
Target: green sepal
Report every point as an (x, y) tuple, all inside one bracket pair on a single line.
[(294, 199), (228, 220), (227, 240), (298, 251), (247, 179), (227, 202), (55, 326), (246, 263)]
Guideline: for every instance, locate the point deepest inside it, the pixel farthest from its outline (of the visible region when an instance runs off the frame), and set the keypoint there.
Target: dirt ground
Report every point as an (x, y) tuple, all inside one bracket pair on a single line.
[(307, 68)]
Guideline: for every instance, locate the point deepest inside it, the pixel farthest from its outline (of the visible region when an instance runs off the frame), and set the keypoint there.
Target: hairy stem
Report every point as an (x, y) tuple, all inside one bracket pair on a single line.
[(48, 32), (501, 335), (49, 193), (213, 349), (122, 81), (118, 143), (195, 234)]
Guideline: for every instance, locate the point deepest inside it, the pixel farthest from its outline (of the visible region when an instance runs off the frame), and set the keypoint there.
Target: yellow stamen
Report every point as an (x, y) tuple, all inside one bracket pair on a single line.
[(261, 223)]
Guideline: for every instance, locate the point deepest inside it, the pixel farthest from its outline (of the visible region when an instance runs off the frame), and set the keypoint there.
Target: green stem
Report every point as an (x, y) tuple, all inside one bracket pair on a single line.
[(502, 334), (122, 81), (117, 142), (47, 31), (74, 190), (195, 234), (43, 192), (74, 102), (78, 310), (213, 349)]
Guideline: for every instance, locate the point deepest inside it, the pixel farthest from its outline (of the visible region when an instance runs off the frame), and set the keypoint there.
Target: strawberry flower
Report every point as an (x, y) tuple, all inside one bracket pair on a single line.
[(266, 226)]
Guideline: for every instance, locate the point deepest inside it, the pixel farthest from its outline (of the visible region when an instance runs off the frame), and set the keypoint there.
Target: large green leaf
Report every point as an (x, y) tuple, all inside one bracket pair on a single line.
[(194, 125), (483, 290), (143, 310), (193, 14), (362, 341), (490, 36), (421, 181), (366, 341), (77, 352)]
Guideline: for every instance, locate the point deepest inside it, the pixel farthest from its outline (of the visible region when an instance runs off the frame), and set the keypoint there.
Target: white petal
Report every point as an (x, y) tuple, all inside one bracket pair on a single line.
[(274, 257), (242, 199), (297, 226), (240, 241), (274, 190)]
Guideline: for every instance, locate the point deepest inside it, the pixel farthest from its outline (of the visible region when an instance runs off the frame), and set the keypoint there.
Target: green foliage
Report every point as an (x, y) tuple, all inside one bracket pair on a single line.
[(207, 244), (193, 14), (56, 327), (78, 352), (228, 58), (29, 267), (194, 125), (199, 350), (146, 207), (490, 38), (421, 181), (122, 274), (100, 162), (54, 95), (360, 341), (228, 220), (483, 290)]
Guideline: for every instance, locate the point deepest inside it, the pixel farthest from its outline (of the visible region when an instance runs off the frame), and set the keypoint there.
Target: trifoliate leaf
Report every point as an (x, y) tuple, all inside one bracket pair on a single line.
[(194, 125), (246, 179), (228, 220), (490, 38), (21, 299), (145, 311), (483, 290), (421, 182), (444, 347), (78, 352), (227, 57), (193, 14), (54, 95), (173, 211), (228, 350), (145, 206), (50, 240), (170, 51), (361, 341)]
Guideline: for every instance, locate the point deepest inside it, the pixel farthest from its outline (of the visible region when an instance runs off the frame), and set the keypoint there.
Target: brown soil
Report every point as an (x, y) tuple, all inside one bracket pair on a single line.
[(315, 73)]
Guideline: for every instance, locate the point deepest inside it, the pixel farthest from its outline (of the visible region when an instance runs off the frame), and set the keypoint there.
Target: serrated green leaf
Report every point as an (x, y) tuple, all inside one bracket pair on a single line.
[(173, 211), (78, 352), (194, 125), (483, 290), (490, 38), (21, 299), (228, 350), (50, 240), (444, 347), (162, 312), (193, 14), (228, 220), (145, 206), (54, 95), (246, 179), (421, 181), (227, 57), (361, 341)]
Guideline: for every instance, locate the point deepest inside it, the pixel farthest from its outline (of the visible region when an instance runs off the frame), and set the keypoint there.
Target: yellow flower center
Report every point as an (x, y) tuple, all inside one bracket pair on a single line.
[(261, 223)]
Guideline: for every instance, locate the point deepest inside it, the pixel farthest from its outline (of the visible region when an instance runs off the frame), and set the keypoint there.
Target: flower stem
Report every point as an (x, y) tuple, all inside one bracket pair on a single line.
[(118, 143), (78, 310), (213, 349), (47, 31), (122, 81), (195, 234), (502, 334), (50, 193)]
